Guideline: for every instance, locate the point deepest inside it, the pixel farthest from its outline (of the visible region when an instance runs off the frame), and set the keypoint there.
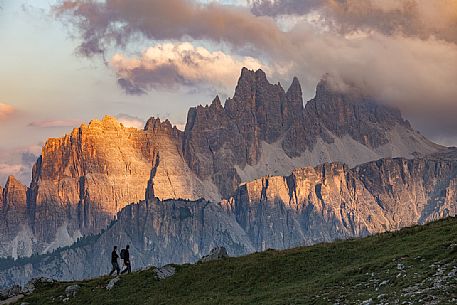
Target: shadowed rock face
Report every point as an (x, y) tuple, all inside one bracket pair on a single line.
[(173, 231), (313, 204), (263, 125), (14, 238), (218, 138), (352, 113)]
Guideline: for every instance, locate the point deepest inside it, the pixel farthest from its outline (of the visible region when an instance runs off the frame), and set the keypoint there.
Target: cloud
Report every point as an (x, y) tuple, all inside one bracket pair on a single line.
[(130, 121), (179, 64), (18, 162), (55, 123), (414, 18), (412, 74), (6, 111), (284, 7), (9, 170), (102, 24)]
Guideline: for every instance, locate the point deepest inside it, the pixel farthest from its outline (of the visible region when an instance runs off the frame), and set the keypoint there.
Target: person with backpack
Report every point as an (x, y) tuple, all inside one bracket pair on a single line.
[(114, 262), (125, 255)]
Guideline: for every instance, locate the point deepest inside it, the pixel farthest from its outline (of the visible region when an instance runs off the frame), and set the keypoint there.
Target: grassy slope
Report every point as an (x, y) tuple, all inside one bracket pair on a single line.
[(391, 267)]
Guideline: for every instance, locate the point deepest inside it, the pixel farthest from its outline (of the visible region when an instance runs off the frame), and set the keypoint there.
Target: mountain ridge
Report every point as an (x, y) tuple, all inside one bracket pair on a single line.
[(82, 180)]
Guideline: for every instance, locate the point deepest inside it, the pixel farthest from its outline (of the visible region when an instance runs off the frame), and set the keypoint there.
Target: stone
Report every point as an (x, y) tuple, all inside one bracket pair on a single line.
[(72, 290), (10, 292), (217, 253), (112, 282), (30, 286), (165, 272), (12, 300)]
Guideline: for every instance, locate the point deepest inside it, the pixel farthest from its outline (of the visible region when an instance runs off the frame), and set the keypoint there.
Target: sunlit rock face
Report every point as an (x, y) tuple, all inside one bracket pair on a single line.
[(331, 201), (82, 180)]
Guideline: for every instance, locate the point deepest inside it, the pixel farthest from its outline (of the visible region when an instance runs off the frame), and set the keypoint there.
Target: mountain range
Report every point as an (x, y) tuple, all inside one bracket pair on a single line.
[(260, 171)]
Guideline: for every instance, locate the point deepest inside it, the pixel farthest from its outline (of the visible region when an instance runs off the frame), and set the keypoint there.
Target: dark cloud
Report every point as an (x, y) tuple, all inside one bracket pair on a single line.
[(113, 22), (129, 87), (28, 158), (284, 7)]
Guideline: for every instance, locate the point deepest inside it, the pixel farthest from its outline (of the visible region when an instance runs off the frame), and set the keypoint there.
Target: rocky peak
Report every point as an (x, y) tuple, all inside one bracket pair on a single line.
[(15, 194), (245, 87), (156, 126), (108, 122), (294, 93), (216, 103), (249, 83), (346, 110)]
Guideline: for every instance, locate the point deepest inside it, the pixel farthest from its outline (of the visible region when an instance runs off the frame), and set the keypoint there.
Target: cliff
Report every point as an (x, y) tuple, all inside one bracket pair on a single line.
[(311, 205), (332, 201), (15, 237), (82, 180)]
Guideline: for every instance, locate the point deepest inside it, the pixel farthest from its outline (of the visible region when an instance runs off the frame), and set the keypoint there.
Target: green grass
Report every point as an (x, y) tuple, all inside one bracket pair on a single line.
[(342, 272)]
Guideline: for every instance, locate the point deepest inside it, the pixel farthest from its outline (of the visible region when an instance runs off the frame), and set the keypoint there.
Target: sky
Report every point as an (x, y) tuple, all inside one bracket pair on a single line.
[(64, 62)]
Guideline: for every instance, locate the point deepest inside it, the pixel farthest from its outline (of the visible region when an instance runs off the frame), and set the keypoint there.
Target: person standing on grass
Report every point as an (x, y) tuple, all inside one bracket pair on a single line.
[(125, 255), (114, 263)]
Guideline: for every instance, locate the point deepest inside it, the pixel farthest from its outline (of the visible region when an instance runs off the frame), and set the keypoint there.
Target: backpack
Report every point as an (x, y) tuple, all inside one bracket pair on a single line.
[(123, 254)]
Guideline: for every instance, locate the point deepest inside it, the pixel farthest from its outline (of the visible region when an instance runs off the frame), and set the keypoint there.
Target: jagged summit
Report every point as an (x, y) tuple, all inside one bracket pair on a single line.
[(85, 177), (155, 125), (295, 89)]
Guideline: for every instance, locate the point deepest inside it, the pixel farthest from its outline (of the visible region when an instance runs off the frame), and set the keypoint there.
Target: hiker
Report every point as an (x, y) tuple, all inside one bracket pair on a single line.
[(125, 255), (114, 263)]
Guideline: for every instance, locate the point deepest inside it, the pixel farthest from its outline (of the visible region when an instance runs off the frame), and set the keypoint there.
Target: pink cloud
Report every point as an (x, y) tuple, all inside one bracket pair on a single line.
[(6, 111), (173, 64), (130, 121)]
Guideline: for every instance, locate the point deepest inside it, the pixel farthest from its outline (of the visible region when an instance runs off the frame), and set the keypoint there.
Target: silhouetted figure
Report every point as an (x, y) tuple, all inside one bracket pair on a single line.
[(125, 255), (114, 263)]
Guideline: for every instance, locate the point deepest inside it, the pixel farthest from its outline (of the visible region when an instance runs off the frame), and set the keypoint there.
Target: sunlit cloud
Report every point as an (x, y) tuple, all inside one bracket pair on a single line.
[(172, 65), (6, 111), (130, 121)]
